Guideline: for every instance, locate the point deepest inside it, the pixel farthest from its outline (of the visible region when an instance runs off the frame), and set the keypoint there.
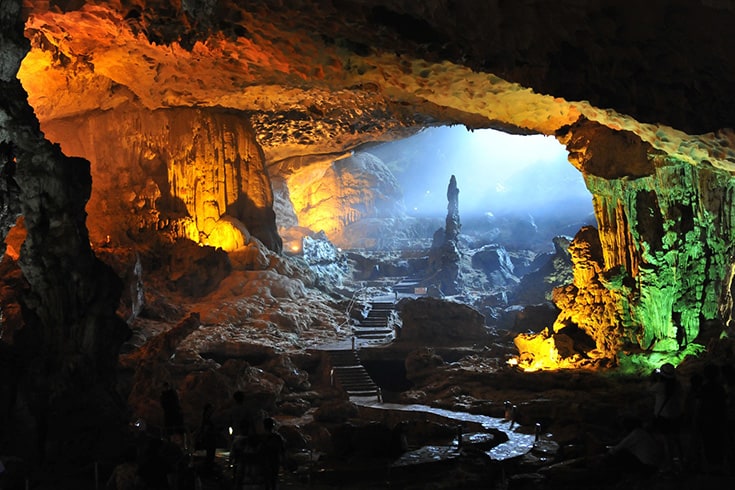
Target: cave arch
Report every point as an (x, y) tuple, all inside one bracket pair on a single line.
[(310, 85)]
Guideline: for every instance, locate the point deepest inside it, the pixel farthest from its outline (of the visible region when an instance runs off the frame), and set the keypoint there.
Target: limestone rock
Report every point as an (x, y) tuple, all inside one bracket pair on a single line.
[(181, 172), (533, 318), (335, 411), (444, 256), (453, 224), (331, 195), (127, 264), (421, 363), (293, 377), (164, 345), (495, 262), (12, 288), (195, 270), (547, 271), (434, 321), (327, 263), (262, 388), (588, 326), (70, 341)]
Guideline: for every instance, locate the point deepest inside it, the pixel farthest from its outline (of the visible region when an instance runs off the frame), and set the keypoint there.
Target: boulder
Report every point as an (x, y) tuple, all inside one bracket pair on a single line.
[(547, 271), (495, 262), (527, 318), (336, 411), (324, 259), (282, 367), (421, 363), (434, 321), (197, 270)]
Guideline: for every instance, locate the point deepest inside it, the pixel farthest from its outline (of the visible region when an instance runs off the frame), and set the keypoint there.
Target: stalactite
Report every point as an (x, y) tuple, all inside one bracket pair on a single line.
[(205, 164), (667, 241)]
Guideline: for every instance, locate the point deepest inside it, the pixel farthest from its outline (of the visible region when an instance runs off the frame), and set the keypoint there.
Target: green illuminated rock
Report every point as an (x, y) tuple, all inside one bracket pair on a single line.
[(665, 235)]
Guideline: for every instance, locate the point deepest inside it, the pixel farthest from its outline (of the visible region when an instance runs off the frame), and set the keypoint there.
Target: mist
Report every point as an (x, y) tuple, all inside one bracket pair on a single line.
[(497, 174)]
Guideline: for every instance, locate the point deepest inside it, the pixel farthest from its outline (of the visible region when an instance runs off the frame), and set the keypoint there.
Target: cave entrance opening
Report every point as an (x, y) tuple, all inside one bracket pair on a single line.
[(386, 206), (519, 191)]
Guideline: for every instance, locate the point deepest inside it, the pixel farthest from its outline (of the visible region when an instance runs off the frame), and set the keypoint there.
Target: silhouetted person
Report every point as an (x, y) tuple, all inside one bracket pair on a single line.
[(667, 411), (693, 435), (207, 436), (272, 454), (125, 475), (712, 419), (244, 455), (153, 467), (638, 452), (242, 412), (238, 414), (173, 417)]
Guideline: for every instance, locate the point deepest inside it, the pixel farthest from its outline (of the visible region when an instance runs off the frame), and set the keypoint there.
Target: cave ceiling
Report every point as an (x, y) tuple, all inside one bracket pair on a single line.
[(324, 77)]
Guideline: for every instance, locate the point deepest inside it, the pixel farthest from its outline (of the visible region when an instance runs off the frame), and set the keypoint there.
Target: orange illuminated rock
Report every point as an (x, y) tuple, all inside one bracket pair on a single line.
[(329, 196), (183, 172)]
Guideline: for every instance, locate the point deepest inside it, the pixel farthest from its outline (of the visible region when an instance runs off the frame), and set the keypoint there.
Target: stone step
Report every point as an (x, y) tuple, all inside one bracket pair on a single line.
[(372, 324), (379, 313), (373, 319), (344, 358), (382, 305), (360, 332), (385, 337), (350, 374)]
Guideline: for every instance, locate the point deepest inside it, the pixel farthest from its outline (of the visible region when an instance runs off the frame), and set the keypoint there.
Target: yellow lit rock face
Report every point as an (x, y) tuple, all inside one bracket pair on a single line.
[(329, 196), (184, 172), (589, 315)]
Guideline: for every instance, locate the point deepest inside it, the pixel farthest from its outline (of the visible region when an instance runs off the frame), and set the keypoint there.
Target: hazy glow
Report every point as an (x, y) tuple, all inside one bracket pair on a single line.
[(496, 172)]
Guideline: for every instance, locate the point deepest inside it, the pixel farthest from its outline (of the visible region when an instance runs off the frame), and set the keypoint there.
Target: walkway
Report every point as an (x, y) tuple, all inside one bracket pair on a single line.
[(517, 444), (348, 373)]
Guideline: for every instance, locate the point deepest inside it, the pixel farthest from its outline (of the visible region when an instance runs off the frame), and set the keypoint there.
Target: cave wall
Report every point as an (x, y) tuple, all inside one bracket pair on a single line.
[(674, 232), (352, 199), (63, 360), (184, 172), (656, 268)]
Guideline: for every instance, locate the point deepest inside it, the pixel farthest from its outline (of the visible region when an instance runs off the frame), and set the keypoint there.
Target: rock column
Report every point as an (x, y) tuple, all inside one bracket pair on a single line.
[(70, 340)]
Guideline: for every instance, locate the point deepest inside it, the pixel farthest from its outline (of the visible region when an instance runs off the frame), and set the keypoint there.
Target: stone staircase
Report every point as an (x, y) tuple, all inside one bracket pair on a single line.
[(375, 326), (348, 372), (406, 286)]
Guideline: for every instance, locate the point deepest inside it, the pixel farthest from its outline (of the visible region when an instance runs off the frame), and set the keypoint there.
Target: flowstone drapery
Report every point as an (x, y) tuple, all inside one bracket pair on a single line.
[(653, 272)]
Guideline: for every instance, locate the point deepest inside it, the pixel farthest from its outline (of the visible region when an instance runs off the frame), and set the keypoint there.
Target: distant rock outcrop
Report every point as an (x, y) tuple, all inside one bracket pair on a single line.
[(445, 256), (334, 196), (548, 271), (495, 262)]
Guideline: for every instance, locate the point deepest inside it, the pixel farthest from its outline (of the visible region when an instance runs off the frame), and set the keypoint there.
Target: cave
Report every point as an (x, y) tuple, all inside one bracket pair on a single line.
[(207, 196)]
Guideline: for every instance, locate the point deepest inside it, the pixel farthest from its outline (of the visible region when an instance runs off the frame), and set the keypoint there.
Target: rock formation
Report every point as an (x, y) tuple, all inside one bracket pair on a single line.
[(431, 321), (174, 114), (445, 257), (348, 198), (70, 338), (185, 173)]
